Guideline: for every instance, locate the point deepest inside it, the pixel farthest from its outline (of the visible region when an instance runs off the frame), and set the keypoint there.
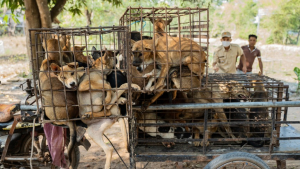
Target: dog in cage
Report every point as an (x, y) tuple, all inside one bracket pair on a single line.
[(97, 99), (195, 60), (160, 26), (57, 102), (211, 94), (50, 43)]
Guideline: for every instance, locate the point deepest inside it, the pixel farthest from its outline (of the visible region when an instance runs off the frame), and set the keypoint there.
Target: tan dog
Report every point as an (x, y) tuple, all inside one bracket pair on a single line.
[(57, 103), (94, 103), (79, 56), (52, 44), (192, 59), (191, 53), (160, 26)]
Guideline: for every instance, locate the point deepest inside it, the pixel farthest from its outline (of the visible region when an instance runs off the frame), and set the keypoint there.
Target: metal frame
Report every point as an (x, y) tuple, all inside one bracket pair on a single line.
[(113, 37), (149, 149)]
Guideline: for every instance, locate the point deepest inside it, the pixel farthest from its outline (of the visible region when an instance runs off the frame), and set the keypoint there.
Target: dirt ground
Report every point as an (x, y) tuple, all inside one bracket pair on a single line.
[(279, 62)]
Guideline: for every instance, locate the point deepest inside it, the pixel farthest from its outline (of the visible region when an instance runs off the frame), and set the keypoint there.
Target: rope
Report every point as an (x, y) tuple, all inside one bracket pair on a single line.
[(115, 150), (140, 21)]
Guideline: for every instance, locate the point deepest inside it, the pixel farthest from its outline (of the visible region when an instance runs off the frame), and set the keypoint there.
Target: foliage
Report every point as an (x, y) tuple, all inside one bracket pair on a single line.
[(297, 72), (235, 16), (284, 19)]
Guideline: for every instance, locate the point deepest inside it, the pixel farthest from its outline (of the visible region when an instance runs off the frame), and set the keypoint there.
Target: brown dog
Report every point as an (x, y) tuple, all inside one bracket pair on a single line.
[(57, 103), (160, 26), (79, 56), (52, 44), (192, 59)]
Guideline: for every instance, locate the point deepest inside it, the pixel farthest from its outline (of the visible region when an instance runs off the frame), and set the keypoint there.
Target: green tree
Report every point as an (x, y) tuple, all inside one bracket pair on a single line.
[(235, 16), (285, 18)]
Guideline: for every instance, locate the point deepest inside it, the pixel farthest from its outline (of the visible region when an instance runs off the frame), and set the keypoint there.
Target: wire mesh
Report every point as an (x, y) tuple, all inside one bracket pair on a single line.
[(78, 74)]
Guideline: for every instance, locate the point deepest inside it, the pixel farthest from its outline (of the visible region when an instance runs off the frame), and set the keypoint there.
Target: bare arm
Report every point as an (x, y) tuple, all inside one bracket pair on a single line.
[(260, 65), (243, 58)]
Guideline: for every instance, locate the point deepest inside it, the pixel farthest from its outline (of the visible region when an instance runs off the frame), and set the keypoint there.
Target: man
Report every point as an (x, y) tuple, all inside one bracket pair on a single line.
[(225, 56), (251, 52)]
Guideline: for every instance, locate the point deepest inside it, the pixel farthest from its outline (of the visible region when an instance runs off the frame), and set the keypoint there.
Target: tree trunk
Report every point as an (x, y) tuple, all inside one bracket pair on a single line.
[(88, 17), (32, 21), (58, 7), (44, 13)]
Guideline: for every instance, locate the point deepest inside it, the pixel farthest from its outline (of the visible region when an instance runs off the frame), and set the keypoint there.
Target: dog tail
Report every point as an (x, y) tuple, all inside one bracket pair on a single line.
[(72, 128)]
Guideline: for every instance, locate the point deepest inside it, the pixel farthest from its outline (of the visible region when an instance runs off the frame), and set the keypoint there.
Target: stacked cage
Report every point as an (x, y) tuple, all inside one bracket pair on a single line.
[(77, 74), (172, 117)]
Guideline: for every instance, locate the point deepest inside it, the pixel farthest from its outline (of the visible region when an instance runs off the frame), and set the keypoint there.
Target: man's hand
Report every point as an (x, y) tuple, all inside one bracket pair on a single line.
[(245, 69), (260, 73), (216, 68)]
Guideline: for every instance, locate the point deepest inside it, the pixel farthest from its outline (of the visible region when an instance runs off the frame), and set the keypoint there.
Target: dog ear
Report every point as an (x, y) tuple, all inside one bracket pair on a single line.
[(82, 48), (73, 65), (55, 68), (152, 19), (169, 21), (132, 42), (93, 49), (148, 47)]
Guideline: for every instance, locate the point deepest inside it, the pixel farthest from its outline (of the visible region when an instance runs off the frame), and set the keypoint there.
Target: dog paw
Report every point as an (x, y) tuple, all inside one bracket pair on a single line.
[(135, 87), (152, 88), (122, 100), (168, 144), (87, 115), (202, 143), (196, 143)]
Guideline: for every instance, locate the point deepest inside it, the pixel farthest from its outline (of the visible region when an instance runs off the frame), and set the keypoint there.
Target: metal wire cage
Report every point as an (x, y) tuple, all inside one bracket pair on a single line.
[(77, 73), (164, 38), (190, 127)]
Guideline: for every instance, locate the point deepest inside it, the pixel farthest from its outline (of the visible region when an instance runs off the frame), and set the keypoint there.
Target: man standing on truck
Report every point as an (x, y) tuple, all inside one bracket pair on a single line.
[(251, 52), (225, 56)]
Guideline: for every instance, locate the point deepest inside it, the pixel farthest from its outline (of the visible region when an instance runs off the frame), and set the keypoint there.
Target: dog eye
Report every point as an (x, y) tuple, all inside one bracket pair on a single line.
[(63, 77), (72, 73)]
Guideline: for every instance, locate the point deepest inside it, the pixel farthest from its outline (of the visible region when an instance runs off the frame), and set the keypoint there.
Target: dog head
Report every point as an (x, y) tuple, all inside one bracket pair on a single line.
[(237, 91), (142, 52), (160, 24), (105, 63), (67, 74), (79, 56)]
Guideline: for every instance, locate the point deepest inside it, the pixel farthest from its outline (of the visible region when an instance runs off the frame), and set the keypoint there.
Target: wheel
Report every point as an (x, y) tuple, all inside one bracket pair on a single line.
[(237, 160), (75, 156)]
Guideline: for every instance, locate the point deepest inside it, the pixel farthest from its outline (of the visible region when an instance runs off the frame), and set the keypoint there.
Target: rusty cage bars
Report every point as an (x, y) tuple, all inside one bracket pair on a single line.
[(76, 44), (169, 118)]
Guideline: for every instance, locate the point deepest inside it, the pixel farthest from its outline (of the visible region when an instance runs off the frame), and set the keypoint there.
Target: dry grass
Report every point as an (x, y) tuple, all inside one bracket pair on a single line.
[(13, 45)]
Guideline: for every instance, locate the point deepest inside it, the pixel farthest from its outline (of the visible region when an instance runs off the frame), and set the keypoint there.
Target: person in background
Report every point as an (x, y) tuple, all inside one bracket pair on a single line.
[(225, 56), (250, 52)]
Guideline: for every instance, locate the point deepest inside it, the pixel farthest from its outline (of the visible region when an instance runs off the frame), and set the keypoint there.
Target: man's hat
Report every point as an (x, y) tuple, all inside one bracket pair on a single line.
[(226, 34)]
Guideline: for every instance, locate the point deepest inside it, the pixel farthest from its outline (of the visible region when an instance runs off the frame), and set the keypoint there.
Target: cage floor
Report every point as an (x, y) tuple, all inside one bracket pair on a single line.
[(288, 149)]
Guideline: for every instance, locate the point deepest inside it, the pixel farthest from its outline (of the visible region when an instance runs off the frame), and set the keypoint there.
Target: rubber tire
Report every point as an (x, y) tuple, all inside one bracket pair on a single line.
[(236, 156), (75, 155)]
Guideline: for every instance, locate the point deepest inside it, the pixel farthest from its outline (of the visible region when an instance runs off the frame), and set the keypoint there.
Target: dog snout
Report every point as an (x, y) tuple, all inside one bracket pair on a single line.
[(136, 63), (72, 84)]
